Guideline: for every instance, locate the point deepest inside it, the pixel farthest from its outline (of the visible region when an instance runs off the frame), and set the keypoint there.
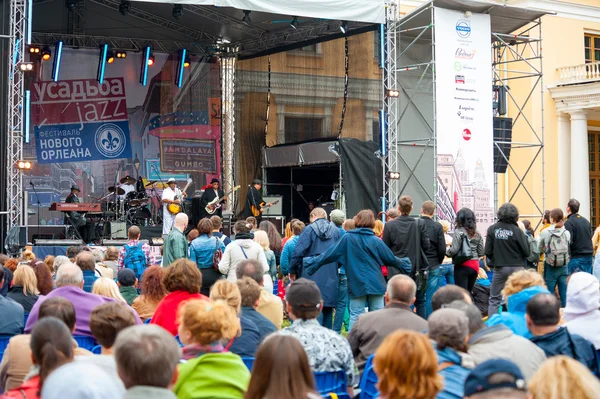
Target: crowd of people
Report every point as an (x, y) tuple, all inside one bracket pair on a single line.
[(428, 309)]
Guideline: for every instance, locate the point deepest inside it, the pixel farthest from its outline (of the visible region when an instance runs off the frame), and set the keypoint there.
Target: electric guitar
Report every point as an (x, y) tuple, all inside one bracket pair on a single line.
[(173, 208), (263, 205), (215, 204)]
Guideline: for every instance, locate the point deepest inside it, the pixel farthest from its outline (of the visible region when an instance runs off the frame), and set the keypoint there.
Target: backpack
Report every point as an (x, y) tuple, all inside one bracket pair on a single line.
[(557, 251), (135, 259), (534, 257)]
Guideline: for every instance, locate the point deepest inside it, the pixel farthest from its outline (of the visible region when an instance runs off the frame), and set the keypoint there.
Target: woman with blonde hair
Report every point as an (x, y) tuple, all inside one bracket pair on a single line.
[(561, 377), (247, 342), (24, 289), (49, 261), (520, 287), (414, 374), (107, 288), (209, 371), (262, 239), (378, 228)]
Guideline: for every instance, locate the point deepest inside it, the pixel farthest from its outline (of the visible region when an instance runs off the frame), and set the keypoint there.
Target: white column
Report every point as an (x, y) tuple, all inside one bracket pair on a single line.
[(564, 159), (580, 172)]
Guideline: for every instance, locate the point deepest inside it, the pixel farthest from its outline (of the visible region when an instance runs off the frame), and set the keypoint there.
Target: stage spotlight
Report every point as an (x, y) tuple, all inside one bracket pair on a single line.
[(246, 18), (110, 58), (294, 23), (151, 60), (145, 62), (57, 59), (70, 4), (121, 54), (46, 53), (187, 62), (35, 49), (26, 66), (102, 63), (393, 93), (124, 7), (23, 165), (344, 27), (393, 175), (177, 11)]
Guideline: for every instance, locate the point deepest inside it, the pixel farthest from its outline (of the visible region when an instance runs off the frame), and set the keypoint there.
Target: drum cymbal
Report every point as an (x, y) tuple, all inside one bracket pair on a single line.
[(116, 190), (150, 183), (127, 180)]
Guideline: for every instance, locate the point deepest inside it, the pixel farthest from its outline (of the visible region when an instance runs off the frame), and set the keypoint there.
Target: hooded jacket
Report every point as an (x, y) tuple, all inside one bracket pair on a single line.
[(552, 231), (506, 245), (361, 253), (244, 247), (500, 342), (581, 313), (514, 319), (454, 375), (561, 342), (316, 239)]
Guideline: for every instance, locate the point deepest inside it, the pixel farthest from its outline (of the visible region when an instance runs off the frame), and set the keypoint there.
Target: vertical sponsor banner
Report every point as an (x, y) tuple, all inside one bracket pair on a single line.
[(464, 119)]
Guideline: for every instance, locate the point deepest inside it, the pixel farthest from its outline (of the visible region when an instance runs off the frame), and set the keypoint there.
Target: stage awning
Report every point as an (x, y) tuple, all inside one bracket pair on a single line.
[(310, 153)]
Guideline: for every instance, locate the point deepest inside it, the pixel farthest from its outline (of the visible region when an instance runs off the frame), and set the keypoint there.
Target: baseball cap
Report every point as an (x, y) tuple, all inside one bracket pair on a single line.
[(481, 377), (257, 181), (126, 277), (304, 294), (171, 180), (337, 216)]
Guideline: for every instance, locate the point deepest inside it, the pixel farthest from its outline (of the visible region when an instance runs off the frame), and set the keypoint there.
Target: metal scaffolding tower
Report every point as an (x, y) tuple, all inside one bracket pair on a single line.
[(228, 124)]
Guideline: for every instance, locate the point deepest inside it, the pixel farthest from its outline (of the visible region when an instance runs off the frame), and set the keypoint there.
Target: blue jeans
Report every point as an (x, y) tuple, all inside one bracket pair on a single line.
[(447, 271), (433, 284), (326, 317), (554, 276), (357, 306), (581, 264), (342, 303)]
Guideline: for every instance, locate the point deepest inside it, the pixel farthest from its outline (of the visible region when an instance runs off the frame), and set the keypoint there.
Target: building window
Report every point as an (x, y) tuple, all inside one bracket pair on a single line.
[(299, 129), (592, 48), (594, 157)]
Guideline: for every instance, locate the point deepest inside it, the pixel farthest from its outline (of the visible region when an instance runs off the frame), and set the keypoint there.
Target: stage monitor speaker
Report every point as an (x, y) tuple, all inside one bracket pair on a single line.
[(502, 143), (276, 209), (118, 230)]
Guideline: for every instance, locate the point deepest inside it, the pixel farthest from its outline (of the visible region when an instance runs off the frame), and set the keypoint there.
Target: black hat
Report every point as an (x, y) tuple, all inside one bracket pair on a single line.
[(479, 379), (304, 294), (257, 181), (126, 277), (214, 180), (75, 188)]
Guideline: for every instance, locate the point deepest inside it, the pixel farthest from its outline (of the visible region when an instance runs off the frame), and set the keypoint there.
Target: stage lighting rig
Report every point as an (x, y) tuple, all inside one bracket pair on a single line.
[(124, 7), (70, 4), (34, 49), (246, 18), (121, 54), (26, 66), (393, 175), (151, 60), (187, 62), (110, 58), (393, 93), (23, 165), (46, 53), (294, 23), (177, 11)]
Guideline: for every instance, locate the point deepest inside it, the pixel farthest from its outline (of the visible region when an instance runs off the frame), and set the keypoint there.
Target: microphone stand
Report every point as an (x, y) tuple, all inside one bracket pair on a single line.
[(38, 207)]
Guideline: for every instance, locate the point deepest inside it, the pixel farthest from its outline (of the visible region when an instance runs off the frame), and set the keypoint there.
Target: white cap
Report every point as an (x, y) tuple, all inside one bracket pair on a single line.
[(171, 180)]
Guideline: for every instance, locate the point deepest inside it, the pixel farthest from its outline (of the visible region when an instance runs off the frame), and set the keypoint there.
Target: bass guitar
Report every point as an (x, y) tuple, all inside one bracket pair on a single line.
[(215, 204), (173, 208), (263, 205)]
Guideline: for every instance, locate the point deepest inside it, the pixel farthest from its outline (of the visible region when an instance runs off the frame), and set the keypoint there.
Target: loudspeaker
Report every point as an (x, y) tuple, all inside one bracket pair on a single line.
[(502, 143), (118, 230)]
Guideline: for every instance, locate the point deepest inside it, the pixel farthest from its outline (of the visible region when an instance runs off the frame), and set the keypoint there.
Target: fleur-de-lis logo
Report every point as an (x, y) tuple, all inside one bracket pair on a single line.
[(110, 142)]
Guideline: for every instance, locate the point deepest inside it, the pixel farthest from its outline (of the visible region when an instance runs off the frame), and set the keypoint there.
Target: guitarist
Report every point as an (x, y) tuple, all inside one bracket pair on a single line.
[(254, 198), (209, 195), (170, 195)]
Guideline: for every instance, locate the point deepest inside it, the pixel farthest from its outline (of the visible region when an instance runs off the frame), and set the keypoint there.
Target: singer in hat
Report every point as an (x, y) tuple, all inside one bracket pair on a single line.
[(210, 193), (84, 226)]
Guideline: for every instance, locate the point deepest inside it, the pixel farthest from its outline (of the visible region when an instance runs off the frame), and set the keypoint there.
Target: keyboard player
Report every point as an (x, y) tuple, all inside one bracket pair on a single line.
[(85, 226)]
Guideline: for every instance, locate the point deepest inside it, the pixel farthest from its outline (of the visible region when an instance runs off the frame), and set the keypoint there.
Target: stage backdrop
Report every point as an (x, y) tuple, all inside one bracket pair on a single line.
[(89, 134), (464, 115)]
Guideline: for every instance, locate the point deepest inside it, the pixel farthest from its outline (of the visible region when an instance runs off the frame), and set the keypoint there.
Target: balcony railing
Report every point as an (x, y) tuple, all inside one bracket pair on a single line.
[(583, 73)]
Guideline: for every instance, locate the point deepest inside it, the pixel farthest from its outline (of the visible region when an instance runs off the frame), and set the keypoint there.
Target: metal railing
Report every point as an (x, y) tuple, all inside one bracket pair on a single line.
[(579, 73)]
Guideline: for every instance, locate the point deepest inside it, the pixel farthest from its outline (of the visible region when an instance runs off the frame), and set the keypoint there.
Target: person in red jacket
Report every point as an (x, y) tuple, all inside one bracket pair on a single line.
[(183, 281)]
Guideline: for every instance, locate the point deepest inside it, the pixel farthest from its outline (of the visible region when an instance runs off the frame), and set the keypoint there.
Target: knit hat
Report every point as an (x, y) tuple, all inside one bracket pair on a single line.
[(337, 217)]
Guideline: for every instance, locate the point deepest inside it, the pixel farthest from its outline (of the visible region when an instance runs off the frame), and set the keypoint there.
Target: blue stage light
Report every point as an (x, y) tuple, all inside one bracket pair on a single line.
[(57, 59), (144, 72), (181, 67), (102, 63)]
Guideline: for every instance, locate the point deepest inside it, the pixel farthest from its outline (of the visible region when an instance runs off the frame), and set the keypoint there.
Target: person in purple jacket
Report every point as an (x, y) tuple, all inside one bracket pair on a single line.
[(69, 285)]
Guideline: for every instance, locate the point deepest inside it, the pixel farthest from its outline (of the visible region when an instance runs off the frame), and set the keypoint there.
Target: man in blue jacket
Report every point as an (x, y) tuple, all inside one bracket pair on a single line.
[(316, 238)]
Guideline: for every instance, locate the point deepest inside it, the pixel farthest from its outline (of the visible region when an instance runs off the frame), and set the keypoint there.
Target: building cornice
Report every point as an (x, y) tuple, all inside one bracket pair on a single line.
[(576, 97)]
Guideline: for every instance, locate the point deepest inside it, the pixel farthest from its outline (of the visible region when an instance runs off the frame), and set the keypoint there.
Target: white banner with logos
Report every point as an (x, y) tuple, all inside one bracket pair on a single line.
[(464, 118)]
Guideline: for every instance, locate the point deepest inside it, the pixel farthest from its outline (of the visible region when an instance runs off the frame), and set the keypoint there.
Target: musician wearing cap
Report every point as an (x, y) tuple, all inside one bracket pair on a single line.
[(171, 195), (77, 219), (208, 200), (255, 205)]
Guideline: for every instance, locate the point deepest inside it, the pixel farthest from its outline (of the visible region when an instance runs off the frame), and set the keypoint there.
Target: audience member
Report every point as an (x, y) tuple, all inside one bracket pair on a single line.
[(24, 289), (262, 239), (370, 329), (182, 280), (250, 293), (176, 245), (51, 346), (251, 223), (349, 225), (290, 245), (506, 248), (342, 314), (414, 374), (269, 305), (152, 292), (43, 277), (561, 377), (69, 284), (274, 236), (448, 294), (3, 259), (81, 381), (147, 358), (135, 255), (191, 236), (111, 257), (11, 264), (107, 288), (449, 329), (86, 262), (127, 282), (101, 269), (326, 349), (245, 344), (288, 231), (28, 256), (209, 371), (543, 316), (202, 252), (58, 262), (244, 247), (581, 249), (16, 361), (554, 244), (447, 268), (520, 288), (72, 253), (281, 374), (496, 378), (9, 268), (499, 342), (435, 254), (49, 261), (466, 268), (581, 313), (13, 315), (216, 232)]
